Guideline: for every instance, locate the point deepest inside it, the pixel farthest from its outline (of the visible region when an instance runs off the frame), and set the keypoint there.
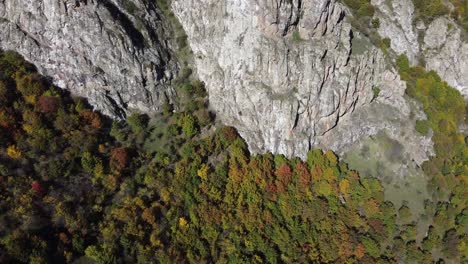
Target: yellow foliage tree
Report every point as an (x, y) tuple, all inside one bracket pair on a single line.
[(14, 152), (329, 175), (30, 99), (344, 187), (331, 157), (203, 172), (154, 239), (28, 128), (323, 188), (165, 195), (183, 223)]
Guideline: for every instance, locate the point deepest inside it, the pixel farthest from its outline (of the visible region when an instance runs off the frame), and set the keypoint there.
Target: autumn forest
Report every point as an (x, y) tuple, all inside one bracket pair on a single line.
[(78, 187)]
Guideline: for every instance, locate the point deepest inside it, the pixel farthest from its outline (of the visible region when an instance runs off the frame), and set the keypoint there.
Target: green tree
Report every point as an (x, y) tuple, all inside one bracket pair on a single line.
[(189, 125), (450, 246), (101, 255), (89, 162), (372, 247), (137, 122), (430, 240), (405, 214)]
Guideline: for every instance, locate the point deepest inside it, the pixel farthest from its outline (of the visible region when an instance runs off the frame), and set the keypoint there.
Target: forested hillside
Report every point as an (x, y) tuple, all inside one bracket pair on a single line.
[(78, 187)]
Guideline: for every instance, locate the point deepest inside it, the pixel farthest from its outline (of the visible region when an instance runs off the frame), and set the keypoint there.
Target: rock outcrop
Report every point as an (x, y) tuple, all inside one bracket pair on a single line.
[(114, 52), (446, 52), (440, 44), (292, 75), (289, 74)]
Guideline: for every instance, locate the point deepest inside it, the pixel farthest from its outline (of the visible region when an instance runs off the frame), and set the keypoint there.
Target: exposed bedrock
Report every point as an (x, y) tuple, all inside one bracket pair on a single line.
[(113, 52), (289, 74), (440, 45), (292, 75)]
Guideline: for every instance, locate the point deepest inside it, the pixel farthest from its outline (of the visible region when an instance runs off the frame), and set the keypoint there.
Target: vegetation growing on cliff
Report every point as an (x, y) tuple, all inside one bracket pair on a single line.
[(76, 186), (460, 13), (428, 10), (361, 8), (448, 170)]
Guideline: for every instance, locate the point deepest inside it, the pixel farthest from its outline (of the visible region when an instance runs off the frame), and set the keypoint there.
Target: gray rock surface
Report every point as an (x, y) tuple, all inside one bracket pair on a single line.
[(396, 23), (447, 53), (111, 51), (292, 75), (440, 44)]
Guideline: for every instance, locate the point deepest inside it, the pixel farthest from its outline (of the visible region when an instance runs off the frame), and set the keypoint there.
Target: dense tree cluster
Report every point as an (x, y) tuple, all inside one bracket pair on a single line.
[(446, 110), (218, 203), (76, 187), (52, 149)]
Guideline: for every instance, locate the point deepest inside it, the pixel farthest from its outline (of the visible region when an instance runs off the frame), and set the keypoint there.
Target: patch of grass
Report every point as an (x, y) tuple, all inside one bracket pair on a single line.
[(296, 36), (361, 8), (385, 44), (381, 157), (422, 126), (130, 7), (376, 91), (428, 10)]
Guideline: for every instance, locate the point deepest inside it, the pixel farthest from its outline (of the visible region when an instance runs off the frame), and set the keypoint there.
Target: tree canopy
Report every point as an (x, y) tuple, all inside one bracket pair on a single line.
[(76, 186)]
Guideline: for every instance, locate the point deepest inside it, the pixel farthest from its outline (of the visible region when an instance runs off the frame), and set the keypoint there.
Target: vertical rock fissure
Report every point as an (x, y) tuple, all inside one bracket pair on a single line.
[(135, 35)]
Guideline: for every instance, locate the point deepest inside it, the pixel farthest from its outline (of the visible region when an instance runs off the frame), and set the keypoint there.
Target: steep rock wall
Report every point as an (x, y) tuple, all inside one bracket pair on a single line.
[(292, 75), (289, 74), (440, 44), (113, 52)]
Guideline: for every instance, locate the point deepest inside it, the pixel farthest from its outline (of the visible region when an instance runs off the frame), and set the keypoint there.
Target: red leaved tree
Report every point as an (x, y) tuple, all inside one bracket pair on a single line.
[(120, 159), (36, 186), (92, 118), (303, 172), (229, 134), (48, 104), (284, 176)]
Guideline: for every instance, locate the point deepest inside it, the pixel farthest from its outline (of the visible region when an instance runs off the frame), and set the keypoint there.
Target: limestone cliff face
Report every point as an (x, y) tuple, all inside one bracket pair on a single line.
[(289, 74), (111, 51), (440, 44), (292, 75)]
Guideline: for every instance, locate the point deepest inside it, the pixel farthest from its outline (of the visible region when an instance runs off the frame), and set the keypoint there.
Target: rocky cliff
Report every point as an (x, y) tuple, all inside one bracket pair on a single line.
[(441, 44), (292, 75), (289, 74), (114, 52)]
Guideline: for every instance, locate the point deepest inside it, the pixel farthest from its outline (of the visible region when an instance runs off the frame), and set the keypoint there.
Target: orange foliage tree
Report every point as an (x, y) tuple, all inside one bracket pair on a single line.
[(120, 159), (92, 118)]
